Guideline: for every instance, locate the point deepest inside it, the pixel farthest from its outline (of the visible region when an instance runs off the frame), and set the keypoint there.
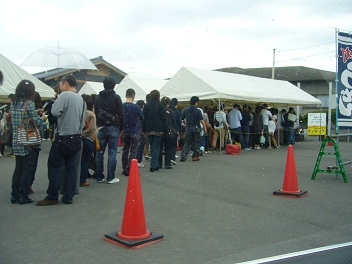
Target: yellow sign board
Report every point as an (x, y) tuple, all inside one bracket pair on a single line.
[(317, 130)]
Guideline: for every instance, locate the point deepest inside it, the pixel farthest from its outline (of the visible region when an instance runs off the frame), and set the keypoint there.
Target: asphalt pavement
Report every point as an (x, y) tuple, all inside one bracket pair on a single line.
[(220, 209)]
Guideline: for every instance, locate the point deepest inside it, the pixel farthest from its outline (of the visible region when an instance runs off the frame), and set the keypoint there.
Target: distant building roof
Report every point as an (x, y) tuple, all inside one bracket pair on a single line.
[(291, 74), (58, 71)]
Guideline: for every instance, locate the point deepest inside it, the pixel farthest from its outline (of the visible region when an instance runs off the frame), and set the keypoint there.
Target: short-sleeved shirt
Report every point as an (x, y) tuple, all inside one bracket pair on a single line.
[(266, 116)]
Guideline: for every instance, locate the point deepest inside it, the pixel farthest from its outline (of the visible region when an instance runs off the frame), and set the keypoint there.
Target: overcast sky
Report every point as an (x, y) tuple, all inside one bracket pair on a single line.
[(156, 38)]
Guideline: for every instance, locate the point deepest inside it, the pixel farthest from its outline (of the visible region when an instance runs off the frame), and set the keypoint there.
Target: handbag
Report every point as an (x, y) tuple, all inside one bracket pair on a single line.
[(27, 133), (96, 143), (262, 139), (69, 144), (232, 148), (216, 123)]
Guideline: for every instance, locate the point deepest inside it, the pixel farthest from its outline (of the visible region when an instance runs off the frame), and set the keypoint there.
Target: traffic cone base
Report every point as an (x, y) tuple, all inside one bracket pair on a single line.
[(133, 244), (298, 194), (139, 237)]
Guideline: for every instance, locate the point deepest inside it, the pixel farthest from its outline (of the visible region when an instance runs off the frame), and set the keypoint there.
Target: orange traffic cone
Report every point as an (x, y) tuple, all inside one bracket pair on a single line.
[(134, 233), (119, 141), (290, 185)]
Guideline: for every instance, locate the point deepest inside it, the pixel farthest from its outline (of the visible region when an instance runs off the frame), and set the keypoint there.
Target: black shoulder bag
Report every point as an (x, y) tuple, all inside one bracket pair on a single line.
[(106, 117), (70, 144)]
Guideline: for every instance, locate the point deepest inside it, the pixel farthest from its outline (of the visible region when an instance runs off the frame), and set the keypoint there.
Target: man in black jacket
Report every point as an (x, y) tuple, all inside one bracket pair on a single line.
[(110, 121)]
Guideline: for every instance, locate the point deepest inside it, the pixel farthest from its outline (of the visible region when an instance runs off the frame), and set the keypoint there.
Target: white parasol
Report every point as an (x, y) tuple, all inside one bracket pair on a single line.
[(58, 57)]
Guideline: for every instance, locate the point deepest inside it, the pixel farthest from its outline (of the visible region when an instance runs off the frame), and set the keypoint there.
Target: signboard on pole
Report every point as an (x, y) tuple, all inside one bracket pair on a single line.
[(344, 75), (316, 124)]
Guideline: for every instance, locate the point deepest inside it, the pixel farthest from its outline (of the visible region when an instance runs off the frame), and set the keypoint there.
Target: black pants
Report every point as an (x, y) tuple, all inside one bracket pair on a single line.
[(23, 175), (130, 148), (167, 146)]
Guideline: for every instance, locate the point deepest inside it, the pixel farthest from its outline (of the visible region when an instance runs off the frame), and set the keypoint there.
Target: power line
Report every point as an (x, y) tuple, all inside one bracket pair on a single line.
[(313, 55), (307, 47)]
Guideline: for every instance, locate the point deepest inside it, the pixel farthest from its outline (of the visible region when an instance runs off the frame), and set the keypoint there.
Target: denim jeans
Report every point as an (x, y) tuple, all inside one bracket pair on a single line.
[(290, 135), (130, 148), (246, 133), (56, 175), (23, 175), (174, 148), (108, 136), (236, 134), (154, 142), (88, 148), (140, 152)]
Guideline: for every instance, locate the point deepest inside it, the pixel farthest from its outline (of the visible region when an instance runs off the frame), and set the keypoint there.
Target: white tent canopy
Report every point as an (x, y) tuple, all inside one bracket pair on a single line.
[(188, 82), (91, 88), (13, 74), (141, 85)]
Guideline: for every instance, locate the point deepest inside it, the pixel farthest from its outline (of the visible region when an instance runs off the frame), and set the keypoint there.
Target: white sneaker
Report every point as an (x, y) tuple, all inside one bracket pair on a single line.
[(176, 156), (140, 165), (173, 162), (101, 181), (247, 149), (115, 180)]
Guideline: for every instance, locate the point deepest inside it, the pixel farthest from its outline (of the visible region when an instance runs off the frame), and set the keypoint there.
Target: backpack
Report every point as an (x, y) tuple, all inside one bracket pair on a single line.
[(107, 118)]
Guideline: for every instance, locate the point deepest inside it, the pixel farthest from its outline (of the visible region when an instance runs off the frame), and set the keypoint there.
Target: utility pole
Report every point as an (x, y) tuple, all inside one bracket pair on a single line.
[(273, 70)]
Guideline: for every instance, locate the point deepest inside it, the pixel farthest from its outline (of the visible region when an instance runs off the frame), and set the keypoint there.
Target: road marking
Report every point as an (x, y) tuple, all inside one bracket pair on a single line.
[(296, 254)]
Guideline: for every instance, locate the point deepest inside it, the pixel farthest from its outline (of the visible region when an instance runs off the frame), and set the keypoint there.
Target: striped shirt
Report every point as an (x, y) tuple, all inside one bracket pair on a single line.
[(220, 116)]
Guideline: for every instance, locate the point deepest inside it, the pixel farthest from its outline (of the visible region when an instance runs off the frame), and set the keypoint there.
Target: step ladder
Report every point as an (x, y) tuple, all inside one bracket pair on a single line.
[(339, 168)]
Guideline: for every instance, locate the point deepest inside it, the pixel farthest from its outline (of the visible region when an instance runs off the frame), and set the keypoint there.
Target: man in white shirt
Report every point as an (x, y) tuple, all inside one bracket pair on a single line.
[(220, 126), (266, 116)]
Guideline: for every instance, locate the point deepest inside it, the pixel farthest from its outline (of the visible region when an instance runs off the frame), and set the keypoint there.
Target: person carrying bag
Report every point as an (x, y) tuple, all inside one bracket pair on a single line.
[(70, 109)]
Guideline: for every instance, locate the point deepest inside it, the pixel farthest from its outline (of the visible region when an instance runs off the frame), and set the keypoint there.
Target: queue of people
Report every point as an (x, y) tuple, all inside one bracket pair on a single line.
[(157, 126)]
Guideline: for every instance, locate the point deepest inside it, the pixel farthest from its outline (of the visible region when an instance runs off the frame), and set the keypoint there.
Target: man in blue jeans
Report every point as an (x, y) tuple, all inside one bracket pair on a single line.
[(110, 120), (235, 118), (68, 107), (290, 126)]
